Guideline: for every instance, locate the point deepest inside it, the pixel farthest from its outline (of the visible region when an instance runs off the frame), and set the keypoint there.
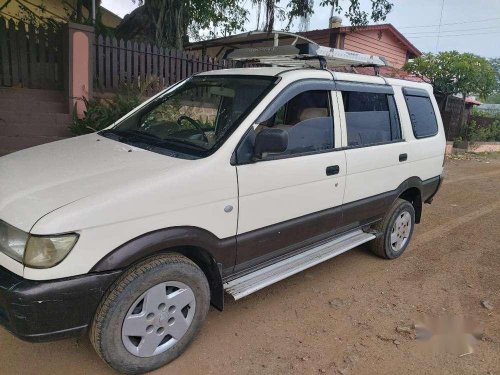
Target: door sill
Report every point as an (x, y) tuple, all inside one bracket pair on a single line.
[(249, 283)]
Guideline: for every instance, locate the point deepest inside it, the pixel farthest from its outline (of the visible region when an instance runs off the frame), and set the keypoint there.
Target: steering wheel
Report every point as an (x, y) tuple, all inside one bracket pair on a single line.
[(195, 124)]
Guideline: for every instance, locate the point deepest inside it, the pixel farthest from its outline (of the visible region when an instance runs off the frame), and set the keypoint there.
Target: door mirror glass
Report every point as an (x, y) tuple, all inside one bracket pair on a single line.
[(270, 141)]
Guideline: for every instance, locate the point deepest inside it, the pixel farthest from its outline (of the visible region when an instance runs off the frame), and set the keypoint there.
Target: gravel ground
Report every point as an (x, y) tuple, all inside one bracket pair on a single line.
[(355, 314)]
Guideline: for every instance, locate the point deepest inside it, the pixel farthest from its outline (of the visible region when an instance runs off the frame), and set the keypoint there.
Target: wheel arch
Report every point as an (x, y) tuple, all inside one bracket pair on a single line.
[(414, 196), (411, 191), (208, 252), (210, 268)]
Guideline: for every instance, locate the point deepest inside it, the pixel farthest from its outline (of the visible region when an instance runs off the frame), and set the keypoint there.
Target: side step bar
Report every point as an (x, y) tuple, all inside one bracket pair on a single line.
[(252, 282)]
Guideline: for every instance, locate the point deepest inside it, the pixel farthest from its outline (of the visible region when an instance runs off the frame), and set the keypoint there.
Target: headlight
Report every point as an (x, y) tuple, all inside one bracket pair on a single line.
[(35, 251), (47, 251), (12, 241)]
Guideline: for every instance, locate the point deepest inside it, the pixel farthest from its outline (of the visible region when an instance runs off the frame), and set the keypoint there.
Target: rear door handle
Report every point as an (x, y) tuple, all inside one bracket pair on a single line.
[(403, 157), (333, 169)]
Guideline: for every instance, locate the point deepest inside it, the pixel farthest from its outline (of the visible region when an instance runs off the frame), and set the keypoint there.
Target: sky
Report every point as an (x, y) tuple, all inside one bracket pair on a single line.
[(466, 25)]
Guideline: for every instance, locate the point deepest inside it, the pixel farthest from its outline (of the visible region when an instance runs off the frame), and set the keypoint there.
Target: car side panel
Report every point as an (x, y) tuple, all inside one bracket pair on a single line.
[(372, 170), (276, 191), (425, 155), (198, 196), (375, 176)]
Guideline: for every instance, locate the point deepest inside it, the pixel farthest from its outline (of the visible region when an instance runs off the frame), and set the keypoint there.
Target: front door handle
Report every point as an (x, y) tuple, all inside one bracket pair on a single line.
[(333, 169), (403, 157)]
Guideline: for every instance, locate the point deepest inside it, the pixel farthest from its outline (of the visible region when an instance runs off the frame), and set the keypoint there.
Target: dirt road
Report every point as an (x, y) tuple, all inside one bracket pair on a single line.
[(343, 315)]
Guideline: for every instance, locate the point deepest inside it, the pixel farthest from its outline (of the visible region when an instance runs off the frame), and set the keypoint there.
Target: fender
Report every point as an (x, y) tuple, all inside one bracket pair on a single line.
[(426, 191), (428, 188), (216, 257)]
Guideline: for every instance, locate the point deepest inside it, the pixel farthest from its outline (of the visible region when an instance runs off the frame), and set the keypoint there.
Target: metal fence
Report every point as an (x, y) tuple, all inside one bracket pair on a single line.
[(30, 56)]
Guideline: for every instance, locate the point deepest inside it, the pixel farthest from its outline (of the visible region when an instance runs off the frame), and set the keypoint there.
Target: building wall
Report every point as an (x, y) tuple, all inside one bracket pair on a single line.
[(322, 37), (375, 42), (53, 9)]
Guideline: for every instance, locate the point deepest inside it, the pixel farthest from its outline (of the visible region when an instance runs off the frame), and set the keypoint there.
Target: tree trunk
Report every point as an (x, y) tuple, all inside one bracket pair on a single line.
[(442, 103), (463, 128), (169, 23), (270, 4)]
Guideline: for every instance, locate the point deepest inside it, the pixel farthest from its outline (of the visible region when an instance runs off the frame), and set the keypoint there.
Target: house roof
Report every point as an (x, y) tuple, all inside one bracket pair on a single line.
[(472, 101), (386, 26)]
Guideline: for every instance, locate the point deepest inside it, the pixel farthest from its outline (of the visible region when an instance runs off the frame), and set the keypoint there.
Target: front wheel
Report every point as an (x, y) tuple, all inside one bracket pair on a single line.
[(151, 314), (396, 228)]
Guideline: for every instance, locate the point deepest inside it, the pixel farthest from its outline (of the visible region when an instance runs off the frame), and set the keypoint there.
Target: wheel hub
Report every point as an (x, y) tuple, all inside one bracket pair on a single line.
[(401, 231), (158, 319)]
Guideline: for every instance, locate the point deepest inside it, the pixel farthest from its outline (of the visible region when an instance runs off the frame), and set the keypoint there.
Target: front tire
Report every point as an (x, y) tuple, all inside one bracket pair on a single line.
[(151, 314), (397, 229)]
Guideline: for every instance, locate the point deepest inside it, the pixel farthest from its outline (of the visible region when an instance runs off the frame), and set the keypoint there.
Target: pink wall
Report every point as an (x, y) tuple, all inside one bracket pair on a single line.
[(81, 75), (375, 42)]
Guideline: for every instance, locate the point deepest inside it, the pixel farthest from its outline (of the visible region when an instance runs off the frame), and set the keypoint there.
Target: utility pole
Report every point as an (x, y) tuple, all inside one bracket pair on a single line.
[(439, 27)]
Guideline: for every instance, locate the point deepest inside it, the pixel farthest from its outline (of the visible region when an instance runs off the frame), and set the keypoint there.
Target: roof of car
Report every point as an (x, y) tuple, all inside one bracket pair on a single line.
[(338, 76)]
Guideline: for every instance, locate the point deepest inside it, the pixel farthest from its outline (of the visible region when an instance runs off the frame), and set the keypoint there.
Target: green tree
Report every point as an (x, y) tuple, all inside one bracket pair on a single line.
[(495, 97), (455, 73), (169, 22)]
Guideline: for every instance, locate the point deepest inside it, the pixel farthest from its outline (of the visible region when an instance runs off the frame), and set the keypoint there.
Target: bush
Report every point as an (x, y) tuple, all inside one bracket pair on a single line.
[(474, 133), (487, 114), (101, 113)]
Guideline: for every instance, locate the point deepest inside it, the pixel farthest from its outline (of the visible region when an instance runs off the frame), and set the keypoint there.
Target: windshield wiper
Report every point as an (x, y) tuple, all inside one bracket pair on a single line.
[(132, 135), (183, 142)]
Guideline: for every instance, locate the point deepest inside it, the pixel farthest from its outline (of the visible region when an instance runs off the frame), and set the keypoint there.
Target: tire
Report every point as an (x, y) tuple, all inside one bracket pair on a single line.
[(165, 299), (401, 219)]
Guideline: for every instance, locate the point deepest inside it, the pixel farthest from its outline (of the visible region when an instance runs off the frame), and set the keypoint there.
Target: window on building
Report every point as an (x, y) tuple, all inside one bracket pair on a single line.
[(371, 118)]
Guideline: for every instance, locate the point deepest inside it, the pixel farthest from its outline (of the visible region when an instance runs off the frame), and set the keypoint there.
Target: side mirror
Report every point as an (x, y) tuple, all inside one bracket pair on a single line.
[(270, 141)]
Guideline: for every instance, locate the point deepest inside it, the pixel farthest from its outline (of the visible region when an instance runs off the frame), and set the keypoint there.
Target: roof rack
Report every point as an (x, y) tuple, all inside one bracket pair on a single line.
[(278, 48)]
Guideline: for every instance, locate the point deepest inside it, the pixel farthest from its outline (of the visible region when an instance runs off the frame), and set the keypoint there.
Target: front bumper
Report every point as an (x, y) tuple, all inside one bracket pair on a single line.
[(50, 310)]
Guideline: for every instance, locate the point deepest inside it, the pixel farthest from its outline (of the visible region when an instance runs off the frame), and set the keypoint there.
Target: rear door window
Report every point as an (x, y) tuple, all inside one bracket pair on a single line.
[(371, 118), (422, 116)]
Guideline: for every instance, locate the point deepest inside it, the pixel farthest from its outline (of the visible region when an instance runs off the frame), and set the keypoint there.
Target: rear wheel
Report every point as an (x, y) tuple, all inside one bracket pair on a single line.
[(396, 228), (151, 314)]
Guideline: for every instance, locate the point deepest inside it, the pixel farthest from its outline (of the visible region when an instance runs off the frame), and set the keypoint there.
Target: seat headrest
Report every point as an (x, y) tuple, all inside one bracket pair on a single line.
[(308, 113)]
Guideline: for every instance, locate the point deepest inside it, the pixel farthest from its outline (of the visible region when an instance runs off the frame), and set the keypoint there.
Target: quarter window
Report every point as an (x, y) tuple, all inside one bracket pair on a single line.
[(371, 118), (308, 121), (422, 116)]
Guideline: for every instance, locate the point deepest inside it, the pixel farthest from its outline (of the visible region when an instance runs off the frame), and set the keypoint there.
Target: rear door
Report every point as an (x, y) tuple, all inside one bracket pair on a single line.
[(290, 200), (376, 153), (428, 144)]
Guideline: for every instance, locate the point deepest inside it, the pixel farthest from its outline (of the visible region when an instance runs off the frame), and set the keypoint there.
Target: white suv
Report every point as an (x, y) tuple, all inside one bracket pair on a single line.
[(226, 182)]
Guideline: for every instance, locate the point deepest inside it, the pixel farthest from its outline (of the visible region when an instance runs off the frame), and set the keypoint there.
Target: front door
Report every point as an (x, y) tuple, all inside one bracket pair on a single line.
[(292, 199)]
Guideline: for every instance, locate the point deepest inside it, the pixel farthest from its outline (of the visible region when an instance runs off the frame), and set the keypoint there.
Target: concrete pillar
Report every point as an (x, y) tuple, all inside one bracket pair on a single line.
[(78, 66)]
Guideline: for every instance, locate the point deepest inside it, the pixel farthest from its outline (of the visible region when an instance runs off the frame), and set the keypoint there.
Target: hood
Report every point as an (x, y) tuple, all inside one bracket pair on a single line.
[(39, 180)]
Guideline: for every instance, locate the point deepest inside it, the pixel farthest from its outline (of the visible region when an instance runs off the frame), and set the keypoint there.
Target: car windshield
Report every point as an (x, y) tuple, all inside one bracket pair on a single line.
[(195, 117)]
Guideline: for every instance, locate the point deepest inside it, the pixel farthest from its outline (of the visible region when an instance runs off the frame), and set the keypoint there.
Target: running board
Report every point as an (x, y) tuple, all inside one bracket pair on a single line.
[(252, 282)]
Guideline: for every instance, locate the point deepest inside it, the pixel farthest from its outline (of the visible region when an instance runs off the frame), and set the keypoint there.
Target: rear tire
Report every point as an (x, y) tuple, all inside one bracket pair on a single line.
[(396, 228), (151, 314)]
